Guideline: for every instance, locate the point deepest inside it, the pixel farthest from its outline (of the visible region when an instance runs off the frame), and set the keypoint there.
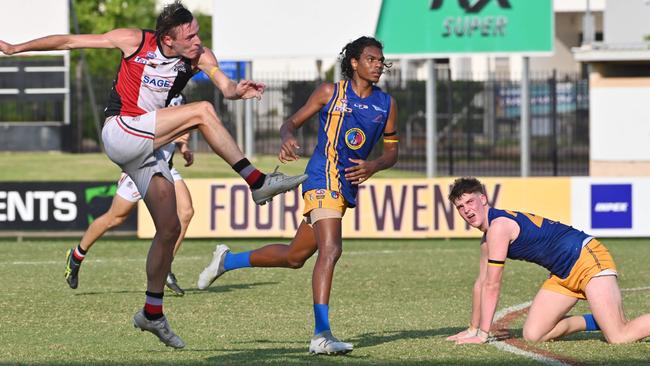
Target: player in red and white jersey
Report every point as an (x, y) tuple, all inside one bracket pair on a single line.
[(155, 66)]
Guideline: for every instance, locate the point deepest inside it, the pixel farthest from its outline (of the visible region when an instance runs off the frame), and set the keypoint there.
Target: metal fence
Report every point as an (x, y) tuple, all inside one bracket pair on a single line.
[(478, 121)]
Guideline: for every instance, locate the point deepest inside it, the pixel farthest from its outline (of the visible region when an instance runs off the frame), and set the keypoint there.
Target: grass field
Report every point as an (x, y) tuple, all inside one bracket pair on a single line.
[(396, 301), (56, 166)]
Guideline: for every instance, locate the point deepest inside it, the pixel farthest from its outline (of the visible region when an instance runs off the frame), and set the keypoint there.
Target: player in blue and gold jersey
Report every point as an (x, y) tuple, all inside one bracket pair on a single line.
[(580, 266), (355, 115)]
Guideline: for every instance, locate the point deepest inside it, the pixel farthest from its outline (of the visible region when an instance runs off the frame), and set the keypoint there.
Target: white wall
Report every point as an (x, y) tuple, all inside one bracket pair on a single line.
[(620, 123), (25, 20), (627, 22), (263, 29)]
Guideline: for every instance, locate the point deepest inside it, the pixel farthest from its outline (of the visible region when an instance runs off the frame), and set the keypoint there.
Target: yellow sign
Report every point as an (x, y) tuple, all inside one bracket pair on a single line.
[(387, 208)]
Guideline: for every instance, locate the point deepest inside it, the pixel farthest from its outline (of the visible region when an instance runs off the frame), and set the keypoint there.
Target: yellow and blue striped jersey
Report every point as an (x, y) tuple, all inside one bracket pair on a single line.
[(350, 126), (549, 243)]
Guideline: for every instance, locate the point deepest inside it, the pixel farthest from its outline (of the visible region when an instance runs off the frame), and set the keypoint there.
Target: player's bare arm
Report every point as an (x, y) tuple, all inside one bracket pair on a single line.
[(498, 238), (183, 147), (316, 101), (245, 89), (126, 39), (475, 316), (364, 169)]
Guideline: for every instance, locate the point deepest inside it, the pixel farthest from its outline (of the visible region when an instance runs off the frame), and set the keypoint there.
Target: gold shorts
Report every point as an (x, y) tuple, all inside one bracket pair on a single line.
[(594, 259), (323, 203)]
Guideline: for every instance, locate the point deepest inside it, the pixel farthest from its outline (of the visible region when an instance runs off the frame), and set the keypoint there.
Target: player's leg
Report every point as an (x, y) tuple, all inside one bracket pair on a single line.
[(120, 209), (161, 202), (185, 210), (547, 317), (294, 255), (185, 214), (330, 246), (604, 297), (173, 122)]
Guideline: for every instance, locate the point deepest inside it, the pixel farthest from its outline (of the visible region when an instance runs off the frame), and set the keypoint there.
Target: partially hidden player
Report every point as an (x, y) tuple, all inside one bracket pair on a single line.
[(126, 199)]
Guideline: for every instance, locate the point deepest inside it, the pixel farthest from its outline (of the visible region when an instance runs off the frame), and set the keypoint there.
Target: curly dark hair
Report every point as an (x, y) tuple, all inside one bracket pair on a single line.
[(170, 17), (353, 50), (465, 185)]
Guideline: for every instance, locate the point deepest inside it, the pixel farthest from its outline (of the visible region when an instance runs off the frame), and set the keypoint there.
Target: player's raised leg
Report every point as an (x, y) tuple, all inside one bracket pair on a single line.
[(173, 122)]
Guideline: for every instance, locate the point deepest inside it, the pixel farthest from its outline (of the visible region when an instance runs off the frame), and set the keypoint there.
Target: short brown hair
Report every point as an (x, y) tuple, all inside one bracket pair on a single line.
[(170, 17), (465, 185)]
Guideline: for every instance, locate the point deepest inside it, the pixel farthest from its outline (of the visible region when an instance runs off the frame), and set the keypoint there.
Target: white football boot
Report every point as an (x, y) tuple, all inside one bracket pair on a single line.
[(326, 343), (215, 268)]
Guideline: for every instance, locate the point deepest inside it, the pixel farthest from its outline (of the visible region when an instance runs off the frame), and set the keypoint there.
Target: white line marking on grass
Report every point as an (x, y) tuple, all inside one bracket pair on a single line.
[(635, 289), (143, 259), (512, 349), (537, 357), (543, 359)]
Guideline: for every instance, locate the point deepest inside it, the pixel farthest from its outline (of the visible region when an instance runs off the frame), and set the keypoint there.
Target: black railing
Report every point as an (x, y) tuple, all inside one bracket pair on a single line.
[(478, 121)]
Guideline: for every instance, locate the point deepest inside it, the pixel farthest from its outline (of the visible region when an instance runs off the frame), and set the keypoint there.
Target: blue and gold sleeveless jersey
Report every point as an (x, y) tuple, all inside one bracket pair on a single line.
[(550, 244), (349, 127)]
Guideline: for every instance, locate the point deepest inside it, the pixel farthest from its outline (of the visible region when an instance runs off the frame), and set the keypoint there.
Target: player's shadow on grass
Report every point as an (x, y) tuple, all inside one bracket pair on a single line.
[(377, 338), (518, 333), (191, 291), (93, 293), (228, 288)]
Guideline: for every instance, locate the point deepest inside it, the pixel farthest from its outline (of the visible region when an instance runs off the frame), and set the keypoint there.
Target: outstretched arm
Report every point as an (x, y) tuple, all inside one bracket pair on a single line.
[(475, 318), (126, 39), (316, 101), (498, 238), (364, 169), (245, 89)]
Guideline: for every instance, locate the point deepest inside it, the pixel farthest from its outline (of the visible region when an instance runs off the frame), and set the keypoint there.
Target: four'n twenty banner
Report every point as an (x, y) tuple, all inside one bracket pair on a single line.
[(387, 208)]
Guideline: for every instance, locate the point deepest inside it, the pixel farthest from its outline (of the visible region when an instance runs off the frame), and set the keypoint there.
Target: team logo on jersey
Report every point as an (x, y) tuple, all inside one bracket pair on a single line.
[(156, 84), (140, 60), (334, 195), (179, 67), (151, 54), (355, 138), (379, 109), (342, 108)]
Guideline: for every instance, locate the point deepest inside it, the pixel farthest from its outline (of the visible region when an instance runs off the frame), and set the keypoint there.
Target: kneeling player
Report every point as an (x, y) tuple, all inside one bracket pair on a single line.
[(581, 268)]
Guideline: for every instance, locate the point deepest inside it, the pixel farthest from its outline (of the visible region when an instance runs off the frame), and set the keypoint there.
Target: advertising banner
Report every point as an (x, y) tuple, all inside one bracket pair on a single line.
[(417, 28), (56, 206), (387, 208), (611, 206)]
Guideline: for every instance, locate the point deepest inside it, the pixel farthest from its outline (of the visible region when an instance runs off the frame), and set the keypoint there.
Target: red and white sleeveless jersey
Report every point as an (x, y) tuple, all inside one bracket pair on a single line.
[(147, 80)]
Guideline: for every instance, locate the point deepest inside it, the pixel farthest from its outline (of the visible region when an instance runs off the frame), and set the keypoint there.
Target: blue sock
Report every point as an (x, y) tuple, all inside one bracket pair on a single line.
[(238, 260), (321, 315), (591, 323)]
